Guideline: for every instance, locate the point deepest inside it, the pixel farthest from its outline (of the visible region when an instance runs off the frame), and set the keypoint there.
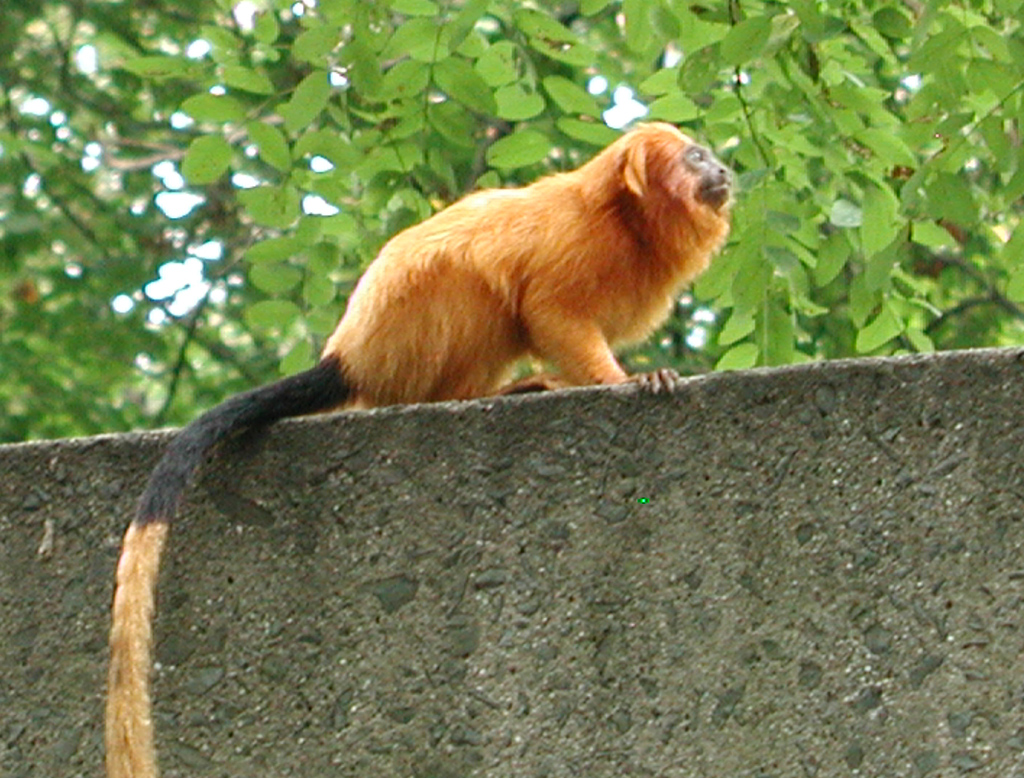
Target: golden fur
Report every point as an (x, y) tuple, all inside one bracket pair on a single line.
[(564, 270), (129, 724)]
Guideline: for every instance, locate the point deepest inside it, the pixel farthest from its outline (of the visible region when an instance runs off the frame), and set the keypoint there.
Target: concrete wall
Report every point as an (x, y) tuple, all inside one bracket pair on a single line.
[(801, 572)]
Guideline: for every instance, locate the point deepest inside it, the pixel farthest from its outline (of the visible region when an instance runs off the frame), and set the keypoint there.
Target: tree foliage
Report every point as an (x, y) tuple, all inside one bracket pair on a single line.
[(189, 190)]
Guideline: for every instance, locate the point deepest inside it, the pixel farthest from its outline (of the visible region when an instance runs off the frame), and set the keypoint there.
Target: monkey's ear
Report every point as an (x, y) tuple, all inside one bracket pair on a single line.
[(634, 171)]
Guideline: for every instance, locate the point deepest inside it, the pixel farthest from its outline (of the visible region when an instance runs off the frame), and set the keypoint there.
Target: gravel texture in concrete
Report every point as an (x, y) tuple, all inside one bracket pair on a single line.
[(813, 571)]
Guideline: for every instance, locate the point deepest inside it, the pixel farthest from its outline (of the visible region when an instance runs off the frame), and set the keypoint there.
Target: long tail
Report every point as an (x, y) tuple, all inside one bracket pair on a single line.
[(129, 722)]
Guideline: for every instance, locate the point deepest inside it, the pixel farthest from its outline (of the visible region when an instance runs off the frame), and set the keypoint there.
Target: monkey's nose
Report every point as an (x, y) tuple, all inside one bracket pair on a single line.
[(716, 186)]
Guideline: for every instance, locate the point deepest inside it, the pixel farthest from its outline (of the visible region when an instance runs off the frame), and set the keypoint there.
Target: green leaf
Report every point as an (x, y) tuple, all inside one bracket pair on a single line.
[(342, 228), (299, 358), (739, 357), (782, 222), (207, 159), (535, 22), (1013, 259), (716, 282), (161, 67), (272, 314), (273, 250), (414, 7), (931, 235), (996, 43), (695, 33), (322, 258), (893, 23), (833, 254), (784, 260), (396, 157), (322, 321), (879, 224), (526, 147), (460, 27), (1015, 289), (879, 268), (570, 96), (812, 22), (213, 108), (497, 65), (887, 146), (364, 69), (661, 82), (318, 290), (412, 123), (595, 133), (993, 76), (804, 305), (547, 36), (420, 38), (271, 206), (314, 44), (327, 144), (664, 21), (516, 104), (737, 326), (845, 214), (453, 123), (949, 197), (746, 40), (674, 108), (309, 229), (880, 331), (461, 82), (639, 34), (862, 301), (591, 7), (405, 79), (865, 100), (275, 277), (779, 335), (267, 28), (1001, 143), (224, 43), (247, 80), (919, 340), (753, 274), (308, 100), (272, 145)]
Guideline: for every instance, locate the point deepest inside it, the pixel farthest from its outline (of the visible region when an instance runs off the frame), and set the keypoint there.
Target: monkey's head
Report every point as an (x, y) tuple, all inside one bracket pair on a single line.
[(659, 159), (677, 192)]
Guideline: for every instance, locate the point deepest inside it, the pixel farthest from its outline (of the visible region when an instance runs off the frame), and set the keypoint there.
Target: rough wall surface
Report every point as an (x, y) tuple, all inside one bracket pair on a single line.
[(802, 572)]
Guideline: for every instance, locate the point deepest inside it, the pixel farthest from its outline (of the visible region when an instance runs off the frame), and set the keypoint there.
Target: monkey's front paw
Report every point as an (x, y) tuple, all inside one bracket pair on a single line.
[(657, 381)]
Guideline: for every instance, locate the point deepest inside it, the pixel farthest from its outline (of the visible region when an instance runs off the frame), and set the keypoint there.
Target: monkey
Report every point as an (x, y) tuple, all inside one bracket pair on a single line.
[(564, 270)]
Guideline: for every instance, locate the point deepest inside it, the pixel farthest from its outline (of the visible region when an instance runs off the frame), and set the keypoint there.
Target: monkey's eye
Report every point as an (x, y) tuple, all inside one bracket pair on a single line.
[(696, 155)]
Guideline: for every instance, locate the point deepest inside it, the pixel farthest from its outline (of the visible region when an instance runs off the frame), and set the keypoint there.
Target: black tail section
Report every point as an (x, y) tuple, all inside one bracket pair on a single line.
[(317, 389)]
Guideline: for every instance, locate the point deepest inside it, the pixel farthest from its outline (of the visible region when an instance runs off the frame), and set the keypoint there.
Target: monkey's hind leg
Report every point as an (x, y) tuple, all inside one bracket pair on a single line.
[(539, 382)]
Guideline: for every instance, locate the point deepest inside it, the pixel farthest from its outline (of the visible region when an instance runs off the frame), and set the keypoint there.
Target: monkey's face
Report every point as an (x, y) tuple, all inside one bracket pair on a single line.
[(658, 157), (713, 179)]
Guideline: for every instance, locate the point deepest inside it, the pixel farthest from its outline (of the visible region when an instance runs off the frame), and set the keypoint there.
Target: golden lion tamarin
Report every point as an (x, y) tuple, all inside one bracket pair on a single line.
[(563, 270)]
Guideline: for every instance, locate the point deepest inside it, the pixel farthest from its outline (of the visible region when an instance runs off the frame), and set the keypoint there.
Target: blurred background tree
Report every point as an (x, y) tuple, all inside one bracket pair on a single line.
[(189, 190)]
